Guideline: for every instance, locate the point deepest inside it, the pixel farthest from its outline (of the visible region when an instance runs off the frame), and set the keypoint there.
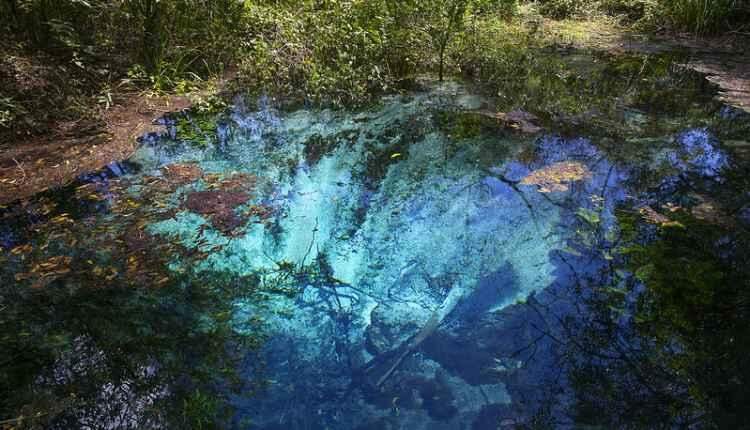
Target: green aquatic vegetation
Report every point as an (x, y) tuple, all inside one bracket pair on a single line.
[(197, 129), (478, 135), (392, 147), (460, 125)]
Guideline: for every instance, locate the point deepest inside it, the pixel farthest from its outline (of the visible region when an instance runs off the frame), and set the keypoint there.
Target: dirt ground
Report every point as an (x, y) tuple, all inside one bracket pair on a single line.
[(74, 148)]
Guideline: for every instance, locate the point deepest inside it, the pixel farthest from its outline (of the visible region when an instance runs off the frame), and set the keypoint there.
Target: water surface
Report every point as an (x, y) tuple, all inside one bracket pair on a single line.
[(410, 265)]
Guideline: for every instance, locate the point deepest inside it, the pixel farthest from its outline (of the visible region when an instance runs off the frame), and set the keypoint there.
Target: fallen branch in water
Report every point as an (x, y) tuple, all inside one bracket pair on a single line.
[(20, 419), (408, 347)]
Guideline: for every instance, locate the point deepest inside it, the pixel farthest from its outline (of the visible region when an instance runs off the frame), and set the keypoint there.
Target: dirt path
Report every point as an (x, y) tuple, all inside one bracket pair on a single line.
[(43, 162)]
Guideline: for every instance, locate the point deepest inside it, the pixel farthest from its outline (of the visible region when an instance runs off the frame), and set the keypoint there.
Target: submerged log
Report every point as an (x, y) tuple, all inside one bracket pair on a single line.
[(380, 368)]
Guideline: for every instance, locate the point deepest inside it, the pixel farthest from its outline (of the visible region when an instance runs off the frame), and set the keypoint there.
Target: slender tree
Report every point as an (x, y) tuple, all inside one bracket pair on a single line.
[(443, 20)]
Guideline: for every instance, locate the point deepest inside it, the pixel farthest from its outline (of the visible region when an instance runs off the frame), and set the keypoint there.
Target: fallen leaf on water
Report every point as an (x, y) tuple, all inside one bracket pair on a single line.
[(653, 217), (557, 176), (21, 249)]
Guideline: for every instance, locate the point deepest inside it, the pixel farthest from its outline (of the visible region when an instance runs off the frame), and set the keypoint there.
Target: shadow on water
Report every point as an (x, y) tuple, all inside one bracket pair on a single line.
[(442, 260)]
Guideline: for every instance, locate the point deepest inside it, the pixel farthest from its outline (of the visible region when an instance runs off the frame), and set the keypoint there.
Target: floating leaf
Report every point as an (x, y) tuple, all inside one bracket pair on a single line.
[(557, 176)]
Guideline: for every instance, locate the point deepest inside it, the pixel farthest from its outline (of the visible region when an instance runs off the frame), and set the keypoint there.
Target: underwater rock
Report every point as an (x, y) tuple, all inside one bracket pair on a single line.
[(414, 392), (518, 120), (237, 182), (181, 174), (262, 212), (115, 168), (387, 330), (493, 416), (219, 206), (522, 121), (136, 239), (317, 146), (255, 124), (437, 398), (489, 293), (471, 349)]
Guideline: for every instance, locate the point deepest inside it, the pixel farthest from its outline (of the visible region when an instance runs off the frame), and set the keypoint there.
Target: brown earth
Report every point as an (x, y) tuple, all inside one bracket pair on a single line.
[(56, 159)]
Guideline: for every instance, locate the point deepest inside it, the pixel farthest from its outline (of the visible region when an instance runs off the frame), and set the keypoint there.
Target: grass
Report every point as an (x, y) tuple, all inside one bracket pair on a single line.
[(700, 16)]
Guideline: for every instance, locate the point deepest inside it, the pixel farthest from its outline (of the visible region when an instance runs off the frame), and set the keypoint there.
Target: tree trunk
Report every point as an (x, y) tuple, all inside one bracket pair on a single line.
[(152, 36), (442, 63)]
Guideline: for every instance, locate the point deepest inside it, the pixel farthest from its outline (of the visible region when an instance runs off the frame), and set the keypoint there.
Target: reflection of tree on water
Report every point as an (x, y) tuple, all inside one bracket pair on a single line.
[(652, 329)]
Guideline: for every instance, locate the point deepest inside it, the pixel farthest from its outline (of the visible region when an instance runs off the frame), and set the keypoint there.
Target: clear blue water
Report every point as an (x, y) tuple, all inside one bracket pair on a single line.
[(402, 261)]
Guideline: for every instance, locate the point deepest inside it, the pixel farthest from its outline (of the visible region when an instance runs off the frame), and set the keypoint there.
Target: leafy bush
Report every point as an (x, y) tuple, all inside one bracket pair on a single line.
[(337, 55)]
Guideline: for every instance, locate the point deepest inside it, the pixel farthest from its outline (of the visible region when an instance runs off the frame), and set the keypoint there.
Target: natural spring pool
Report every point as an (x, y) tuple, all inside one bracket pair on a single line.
[(416, 265)]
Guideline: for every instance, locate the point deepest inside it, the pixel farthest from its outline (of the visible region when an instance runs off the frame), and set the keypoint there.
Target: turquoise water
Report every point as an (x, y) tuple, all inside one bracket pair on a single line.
[(401, 243), (401, 255)]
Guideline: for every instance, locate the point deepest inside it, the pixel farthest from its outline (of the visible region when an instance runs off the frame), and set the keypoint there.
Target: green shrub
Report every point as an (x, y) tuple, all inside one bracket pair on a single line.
[(341, 54)]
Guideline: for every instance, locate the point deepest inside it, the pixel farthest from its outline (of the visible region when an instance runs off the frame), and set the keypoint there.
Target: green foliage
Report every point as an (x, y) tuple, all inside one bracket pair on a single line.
[(348, 51), (695, 16), (61, 57), (334, 52), (8, 111), (443, 19), (197, 36), (343, 53)]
